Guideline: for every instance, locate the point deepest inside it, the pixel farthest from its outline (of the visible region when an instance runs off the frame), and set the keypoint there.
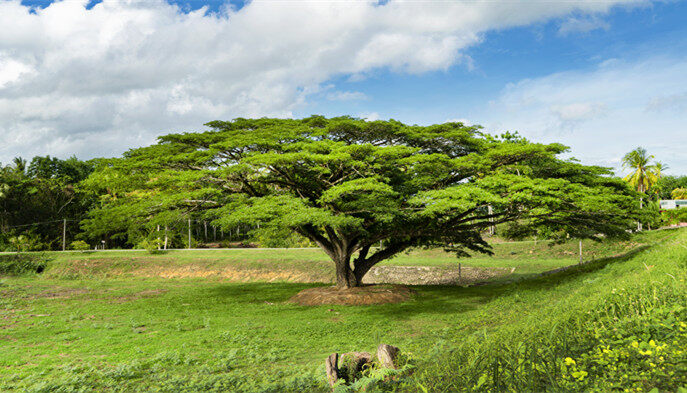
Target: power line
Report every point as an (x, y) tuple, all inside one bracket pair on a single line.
[(38, 223)]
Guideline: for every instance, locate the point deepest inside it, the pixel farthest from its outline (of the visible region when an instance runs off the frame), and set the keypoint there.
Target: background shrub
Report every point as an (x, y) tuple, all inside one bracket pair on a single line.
[(79, 245), (15, 265), (153, 246)]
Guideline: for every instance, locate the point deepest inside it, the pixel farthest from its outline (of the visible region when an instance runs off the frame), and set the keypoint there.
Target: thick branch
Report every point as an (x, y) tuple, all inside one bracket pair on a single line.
[(363, 265)]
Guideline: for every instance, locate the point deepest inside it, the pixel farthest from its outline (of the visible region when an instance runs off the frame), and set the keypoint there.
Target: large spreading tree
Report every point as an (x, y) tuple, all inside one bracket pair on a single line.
[(348, 185)]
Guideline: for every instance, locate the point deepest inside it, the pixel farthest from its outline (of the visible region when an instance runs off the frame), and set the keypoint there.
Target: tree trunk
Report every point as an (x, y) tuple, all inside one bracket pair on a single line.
[(340, 248), (345, 278)]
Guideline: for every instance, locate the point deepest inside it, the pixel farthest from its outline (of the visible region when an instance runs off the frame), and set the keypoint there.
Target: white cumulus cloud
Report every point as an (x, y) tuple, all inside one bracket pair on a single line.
[(604, 112), (347, 96), (584, 24), (98, 81)]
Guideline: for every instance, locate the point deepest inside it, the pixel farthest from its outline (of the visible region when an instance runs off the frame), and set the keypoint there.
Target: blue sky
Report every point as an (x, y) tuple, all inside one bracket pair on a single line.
[(602, 77), (514, 54)]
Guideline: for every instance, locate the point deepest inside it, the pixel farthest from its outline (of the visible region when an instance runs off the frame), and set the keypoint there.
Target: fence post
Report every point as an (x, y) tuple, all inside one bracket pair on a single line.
[(64, 234), (580, 251)]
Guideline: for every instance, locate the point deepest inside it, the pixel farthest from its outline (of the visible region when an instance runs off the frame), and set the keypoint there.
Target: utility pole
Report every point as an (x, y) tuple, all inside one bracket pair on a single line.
[(64, 234), (641, 206), (189, 233)]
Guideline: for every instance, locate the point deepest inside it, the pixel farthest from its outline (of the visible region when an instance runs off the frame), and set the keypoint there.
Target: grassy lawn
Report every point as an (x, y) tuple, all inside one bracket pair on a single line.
[(244, 329), (94, 329)]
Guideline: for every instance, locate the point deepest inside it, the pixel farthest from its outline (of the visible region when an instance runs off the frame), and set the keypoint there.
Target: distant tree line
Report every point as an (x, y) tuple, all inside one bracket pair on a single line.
[(46, 198), (36, 198)]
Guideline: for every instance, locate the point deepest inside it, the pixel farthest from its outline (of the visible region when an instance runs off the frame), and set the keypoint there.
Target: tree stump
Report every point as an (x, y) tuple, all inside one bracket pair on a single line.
[(352, 364), (387, 354), (331, 365)]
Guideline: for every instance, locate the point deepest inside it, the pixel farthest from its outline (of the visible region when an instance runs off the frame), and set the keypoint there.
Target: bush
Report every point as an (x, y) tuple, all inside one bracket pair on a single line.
[(24, 243), (79, 245), (674, 216), (15, 265), (151, 245)]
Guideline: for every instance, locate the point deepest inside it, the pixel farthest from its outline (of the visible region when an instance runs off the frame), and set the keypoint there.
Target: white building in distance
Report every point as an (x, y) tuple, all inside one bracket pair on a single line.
[(669, 204)]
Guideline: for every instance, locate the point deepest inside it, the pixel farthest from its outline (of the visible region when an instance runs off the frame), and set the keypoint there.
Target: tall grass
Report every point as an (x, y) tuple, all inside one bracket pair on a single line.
[(618, 326)]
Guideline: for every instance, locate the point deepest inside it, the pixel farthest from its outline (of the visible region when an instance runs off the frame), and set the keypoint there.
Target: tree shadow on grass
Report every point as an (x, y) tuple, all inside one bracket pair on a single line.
[(428, 299), (453, 299), (259, 292)]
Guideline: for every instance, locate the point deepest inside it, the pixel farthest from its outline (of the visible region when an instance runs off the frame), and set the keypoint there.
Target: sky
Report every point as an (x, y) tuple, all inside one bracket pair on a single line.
[(91, 78)]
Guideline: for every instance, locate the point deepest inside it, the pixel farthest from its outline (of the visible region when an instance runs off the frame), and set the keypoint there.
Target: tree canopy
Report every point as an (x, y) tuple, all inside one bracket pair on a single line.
[(348, 184)]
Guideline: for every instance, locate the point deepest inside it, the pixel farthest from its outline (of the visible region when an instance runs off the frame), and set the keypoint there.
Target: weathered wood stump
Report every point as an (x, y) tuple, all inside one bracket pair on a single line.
[(331, 365), (350, 365), (387, 354)]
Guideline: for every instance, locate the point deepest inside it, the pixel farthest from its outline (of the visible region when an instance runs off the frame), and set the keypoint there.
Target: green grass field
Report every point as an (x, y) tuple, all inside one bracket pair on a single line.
[(93, 322)]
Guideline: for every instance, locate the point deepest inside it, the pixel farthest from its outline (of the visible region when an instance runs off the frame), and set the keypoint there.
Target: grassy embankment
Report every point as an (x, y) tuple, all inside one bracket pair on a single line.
[(109, 330), (312, 265)]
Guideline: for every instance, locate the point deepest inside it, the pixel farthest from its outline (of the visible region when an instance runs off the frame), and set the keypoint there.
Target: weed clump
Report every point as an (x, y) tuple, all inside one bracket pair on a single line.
[(20, 264)]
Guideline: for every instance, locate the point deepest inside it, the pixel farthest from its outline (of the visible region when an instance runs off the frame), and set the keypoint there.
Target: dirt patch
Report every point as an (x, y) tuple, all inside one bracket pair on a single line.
[(431, 275), (140, 295), (305, 272), (406, 275), (62, 293), (365, 295), (231, 273)]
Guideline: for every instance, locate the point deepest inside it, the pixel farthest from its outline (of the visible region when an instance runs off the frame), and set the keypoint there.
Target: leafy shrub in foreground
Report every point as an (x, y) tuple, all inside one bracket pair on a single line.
[(643, 356)]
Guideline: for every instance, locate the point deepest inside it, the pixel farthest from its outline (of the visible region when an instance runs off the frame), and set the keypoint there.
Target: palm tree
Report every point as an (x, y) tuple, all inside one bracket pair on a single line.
[(19, 165), (644, 174), (660, 167), (679, 193)]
